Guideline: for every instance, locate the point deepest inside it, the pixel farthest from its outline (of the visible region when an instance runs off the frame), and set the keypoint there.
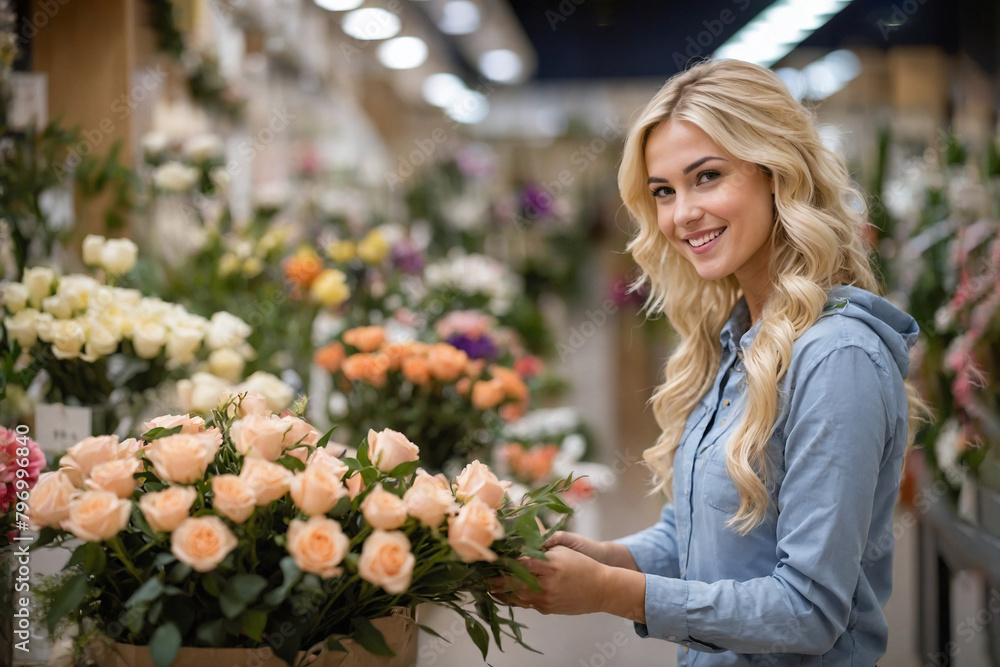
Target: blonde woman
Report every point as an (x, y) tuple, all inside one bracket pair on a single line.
[(784, 410)]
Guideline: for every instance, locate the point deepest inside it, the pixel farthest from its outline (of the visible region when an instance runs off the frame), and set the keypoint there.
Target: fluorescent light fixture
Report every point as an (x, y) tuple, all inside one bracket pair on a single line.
[(822, 78), (501, 65), (403, 53), (339, 5), (469, 107), (459, 17), (371, 23), (773, 33), (442, 89)]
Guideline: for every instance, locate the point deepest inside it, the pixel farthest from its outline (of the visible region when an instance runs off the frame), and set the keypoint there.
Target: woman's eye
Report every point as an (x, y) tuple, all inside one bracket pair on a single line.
[(663, 191), (709, 175)]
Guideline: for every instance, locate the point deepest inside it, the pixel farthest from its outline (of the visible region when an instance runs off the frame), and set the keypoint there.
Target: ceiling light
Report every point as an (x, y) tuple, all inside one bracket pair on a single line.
[(403, 53), (470, 108), (459, 17), (501, 65), (773, 33), (339, 5), (442, 89), (371, 23), (821, 79)]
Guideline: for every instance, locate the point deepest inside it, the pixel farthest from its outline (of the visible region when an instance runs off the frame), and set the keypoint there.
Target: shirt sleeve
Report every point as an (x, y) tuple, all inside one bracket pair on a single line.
[(654, 550), (837, 428)]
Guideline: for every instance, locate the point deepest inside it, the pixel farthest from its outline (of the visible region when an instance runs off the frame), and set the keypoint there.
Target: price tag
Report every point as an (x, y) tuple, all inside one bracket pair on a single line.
[(29, 100), (58, 427)]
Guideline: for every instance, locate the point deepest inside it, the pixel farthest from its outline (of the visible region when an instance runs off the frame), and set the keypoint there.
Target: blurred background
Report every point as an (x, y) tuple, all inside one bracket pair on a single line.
[(446, 169)]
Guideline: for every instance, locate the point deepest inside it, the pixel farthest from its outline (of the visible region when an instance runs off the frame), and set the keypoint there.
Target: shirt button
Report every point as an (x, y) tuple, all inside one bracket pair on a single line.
[(722, 423), (671, 638), (725, 403), (687, 492)]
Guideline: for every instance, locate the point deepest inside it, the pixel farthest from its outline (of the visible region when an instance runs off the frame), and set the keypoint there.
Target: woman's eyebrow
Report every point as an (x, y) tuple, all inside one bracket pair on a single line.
[(687, 170)]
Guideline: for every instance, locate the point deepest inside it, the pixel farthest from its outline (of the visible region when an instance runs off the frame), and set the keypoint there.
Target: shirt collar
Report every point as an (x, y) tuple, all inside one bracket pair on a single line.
[(738, 327)]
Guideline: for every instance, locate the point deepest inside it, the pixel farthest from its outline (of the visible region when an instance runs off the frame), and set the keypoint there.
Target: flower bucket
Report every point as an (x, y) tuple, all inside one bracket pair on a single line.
[(399, 630)]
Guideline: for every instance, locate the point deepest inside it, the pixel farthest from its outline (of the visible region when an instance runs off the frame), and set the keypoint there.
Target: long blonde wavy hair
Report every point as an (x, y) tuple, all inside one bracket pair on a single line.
[(817, 242)]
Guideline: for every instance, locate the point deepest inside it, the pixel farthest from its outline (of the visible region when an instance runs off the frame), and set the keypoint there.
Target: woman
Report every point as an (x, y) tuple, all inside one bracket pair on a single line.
[(784, 411)]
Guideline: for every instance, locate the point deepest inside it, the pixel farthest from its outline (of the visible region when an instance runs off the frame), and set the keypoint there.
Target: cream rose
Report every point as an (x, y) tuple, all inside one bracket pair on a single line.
[(226, 330), (68, 337), (473, 530), (101, 341), (388, 448), (49, 500), (187, 423), (317, 545), (269, 481), (165, 510), (89, 452), (118, 256), (249, 403), (259, 437), (477, 480), (23, 327), (38, 280), (184, 458), (115, 476), (233, 498), (383, 509), (227, 364), (58, 306), (202, 542), (429, 500), (316, 490), (93, 244), (182, 343), (175, 177), (15, 297), (277, 394), (95, 516), (148, 339), (387, 561), (201, 393)]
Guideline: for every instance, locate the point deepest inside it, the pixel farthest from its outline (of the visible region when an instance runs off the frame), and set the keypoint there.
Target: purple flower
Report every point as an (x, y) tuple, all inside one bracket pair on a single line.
[(407, 258), (536, 201), (621, 295), (477, 348)]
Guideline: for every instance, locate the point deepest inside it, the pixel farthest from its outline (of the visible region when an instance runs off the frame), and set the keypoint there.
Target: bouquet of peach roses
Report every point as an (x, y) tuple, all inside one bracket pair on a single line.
[(252, 530)]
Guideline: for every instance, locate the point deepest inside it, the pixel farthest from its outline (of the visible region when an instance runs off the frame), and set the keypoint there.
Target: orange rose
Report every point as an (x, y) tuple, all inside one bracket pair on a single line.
[(95, 516), (233, 498), (447, 362), (317, 545), (429, 499), (473, 531), (398, 352), (259, 437), (487, 394), (388, 448), (316, 490), (184, 458), (370, 368), (49, 500), (202, 542), (511, 381), (329, 357), (115, 476), (187, 423), (478, 481), (366, 339), (269, 481), (417, 370), (302, 269), (383, 509), (165, 510), (387, 561), (463, 386)]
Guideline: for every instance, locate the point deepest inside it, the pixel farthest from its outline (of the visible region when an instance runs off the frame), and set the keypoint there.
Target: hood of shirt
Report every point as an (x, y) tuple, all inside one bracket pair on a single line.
[(897, 330)]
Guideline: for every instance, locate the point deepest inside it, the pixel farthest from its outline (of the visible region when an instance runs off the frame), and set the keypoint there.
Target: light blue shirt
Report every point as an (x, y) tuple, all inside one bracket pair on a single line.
[(807, 586)]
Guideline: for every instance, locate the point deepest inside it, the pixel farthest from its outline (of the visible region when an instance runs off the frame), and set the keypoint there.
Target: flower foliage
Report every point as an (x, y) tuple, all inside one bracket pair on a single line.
[(21, 462)]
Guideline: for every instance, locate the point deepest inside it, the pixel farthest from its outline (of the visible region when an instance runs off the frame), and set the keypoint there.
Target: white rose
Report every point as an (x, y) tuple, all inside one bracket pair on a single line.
[(203, 147), (201, 393), (101, 341), (220, 177), (278, 394), (226, 330), (127, 297), (118, 256), (148, 339), (43, 325), (175, 177), (22, 327), (182, 343), (68, 337), (58, 306), (80, 291), (155, 143), (39, 281), (93, 245), (15, 297), (227, 364)]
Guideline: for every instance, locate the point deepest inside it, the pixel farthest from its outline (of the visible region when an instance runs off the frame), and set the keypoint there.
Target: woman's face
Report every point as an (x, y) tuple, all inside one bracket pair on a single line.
[(715, 209)]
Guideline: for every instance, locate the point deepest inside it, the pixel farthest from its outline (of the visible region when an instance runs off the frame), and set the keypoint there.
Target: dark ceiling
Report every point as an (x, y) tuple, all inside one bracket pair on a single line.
[(652, 38)]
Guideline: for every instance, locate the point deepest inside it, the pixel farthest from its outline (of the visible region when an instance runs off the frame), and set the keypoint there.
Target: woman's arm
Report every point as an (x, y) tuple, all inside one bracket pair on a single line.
[(607, 553)]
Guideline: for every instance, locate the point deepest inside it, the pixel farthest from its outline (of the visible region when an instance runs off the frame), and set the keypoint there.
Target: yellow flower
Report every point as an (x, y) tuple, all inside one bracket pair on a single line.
[(341, 251), (330, 288), (373, 248), (228, 265), (252, 267)]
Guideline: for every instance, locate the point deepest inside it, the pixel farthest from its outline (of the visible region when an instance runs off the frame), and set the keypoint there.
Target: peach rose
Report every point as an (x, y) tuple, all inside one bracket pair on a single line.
[(417, 370), (115, 476), (487, 394), (269, 481), (316, 490), (233, 498), (95, 516), (49, 500), (370, 368), (478, 481), (397, 353), (183, 458), (446, 362), (325, 458), (187, 423), (317, 545), (429, 500), (473, 531), (388, 448), (355, 485), (87, 453), (383, 509), (164, 510), (330, 357), (202, 542), (244, 403), (130, 447), (299, 435), (512, 383), (366, 339), (463, 386), (386, 561), (259, 437)]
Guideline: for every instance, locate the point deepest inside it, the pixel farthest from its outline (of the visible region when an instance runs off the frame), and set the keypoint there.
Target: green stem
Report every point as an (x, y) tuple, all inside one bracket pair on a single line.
[(119, 549)]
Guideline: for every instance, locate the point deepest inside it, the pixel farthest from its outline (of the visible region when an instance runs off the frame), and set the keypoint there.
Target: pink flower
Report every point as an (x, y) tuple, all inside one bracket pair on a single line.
[(470, 323), (17, 452)]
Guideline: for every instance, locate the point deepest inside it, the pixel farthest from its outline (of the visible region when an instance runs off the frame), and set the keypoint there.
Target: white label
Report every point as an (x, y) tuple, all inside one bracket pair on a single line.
[(58, 427), (29, 100)]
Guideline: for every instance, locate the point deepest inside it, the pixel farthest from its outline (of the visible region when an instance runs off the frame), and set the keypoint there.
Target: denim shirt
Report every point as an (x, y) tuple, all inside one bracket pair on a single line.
[(806, 586)]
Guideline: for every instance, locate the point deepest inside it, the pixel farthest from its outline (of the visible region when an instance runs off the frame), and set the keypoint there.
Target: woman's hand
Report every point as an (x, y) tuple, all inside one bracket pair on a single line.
[(607, 553)]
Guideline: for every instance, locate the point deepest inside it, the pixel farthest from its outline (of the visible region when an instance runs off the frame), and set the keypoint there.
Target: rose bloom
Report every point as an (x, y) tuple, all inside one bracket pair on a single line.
[(17, 453), (447, 363), (303, 269), (115, 476), (298, 434), (478, 481), (383, 509), (370, 368), (388, 448), (202, 542), (387, 561), (324, 457), (259, 437), (233, 498), (316, 490), (330, 357), (417, 370), (511, 381), (165, 510), (184, 458), (317, 545), (249, 403), (473, 531), (49, 500), (89, 452), (399, 352), (269, 481), (429, 500), (463, 386), (355, 485), (330, 288), (366, 339), (95, 516), (487, 394), (187, 423)]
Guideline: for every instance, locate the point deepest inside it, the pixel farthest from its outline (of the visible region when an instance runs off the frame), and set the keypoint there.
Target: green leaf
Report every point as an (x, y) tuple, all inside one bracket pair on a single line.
[(431, 631), (179, 572), (363, 453), (210, 584), (322, 442), (245, 587), (148, 592), (253, 624), (230, 607), (478, 634), (292, 573), (404, 469), (90, 555), (341, 509), (164, 645), (160, 432), (65, 600), (370, 637), (212, 632), (522, 574), (334, 644), (291, 463), (46, 536)]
